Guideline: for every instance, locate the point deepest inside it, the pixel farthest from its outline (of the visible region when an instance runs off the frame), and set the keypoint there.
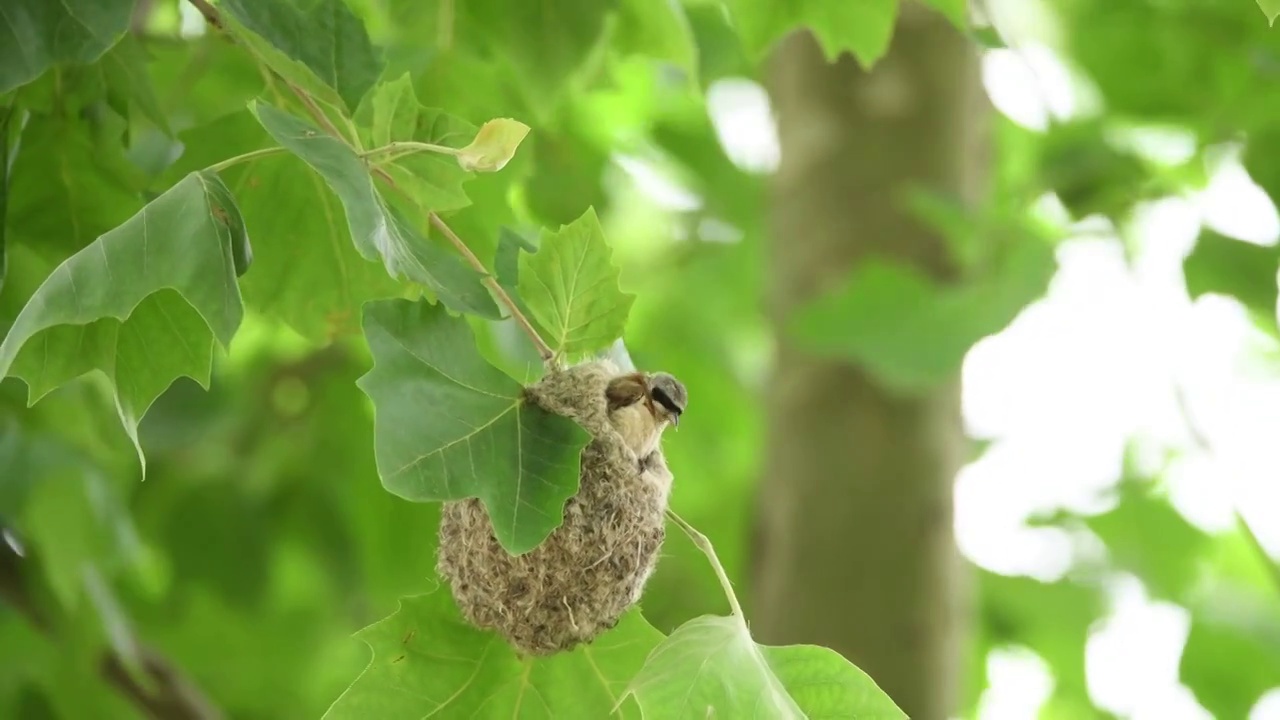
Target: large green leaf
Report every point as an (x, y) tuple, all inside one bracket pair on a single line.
[(448, 425), (571, 285), (323, 36), (912, 332), (37, 34), (143, 303), (429, 662), (68, 186), (863, 27), (379, 230), (307, 271), (710, 667)]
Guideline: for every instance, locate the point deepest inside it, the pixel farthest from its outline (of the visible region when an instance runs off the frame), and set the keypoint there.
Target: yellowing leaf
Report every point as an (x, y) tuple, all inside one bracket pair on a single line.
[(494, 145), (1271, 8)]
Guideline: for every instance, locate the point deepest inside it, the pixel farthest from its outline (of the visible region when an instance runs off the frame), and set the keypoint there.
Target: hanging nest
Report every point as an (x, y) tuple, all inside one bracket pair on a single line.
[(592, 568)]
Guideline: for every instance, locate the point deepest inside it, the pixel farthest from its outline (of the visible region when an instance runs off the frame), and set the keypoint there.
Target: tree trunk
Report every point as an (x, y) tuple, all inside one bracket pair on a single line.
[(856, 549)]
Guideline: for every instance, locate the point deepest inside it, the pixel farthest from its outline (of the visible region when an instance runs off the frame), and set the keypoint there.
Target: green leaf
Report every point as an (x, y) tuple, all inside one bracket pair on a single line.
[(429, 662), (955, 10), (660, 30), (379, 231), (506, 268), (988, 38), (1052, 619), (910, 331), (863, 27), (37, 34), (449, 426), (429, 181), (433, 181), (388, 113), (540, 48), (1242, 270), (143, 303), (1270, 8), (125, 70), (68, 186), (1170, 568), (288, 208), (1232, 655), (494, 146), (710, 667), (571, 285), (324, 36)]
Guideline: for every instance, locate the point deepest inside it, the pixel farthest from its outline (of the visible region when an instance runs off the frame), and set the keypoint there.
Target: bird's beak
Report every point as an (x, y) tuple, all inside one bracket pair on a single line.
[(675, 422)]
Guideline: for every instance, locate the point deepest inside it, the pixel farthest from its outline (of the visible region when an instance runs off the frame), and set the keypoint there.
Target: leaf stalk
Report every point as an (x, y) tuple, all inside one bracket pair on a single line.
[(212, 16), (408, 147), (704, 544), (245, 157)]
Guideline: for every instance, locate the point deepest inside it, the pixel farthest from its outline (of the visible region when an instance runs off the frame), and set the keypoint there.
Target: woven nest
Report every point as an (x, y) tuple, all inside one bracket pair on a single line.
[(592, 568)]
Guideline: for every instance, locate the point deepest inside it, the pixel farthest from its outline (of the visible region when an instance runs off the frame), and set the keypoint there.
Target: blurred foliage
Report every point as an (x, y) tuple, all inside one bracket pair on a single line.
[(263, 538)]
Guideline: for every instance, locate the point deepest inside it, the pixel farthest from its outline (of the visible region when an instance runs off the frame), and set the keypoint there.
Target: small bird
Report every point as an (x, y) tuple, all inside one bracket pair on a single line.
[(641, 405)]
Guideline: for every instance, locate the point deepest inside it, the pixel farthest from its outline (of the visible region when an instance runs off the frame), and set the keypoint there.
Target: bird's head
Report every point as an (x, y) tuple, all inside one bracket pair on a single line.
[(669, 397)]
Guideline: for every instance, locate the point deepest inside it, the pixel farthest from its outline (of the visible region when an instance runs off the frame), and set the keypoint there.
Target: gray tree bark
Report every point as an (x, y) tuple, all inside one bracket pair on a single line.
[(855, 545)]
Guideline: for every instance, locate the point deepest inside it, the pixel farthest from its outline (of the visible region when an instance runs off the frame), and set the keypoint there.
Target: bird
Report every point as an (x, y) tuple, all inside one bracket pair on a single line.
[(641, 405)]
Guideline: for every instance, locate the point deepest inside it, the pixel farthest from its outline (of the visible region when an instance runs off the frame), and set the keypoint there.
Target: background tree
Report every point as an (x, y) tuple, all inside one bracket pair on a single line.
[(182, 178), (850, 463)]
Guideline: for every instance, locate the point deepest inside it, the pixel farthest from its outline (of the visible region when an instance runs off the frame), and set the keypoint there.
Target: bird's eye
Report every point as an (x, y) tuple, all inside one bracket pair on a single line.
[(660, 396)]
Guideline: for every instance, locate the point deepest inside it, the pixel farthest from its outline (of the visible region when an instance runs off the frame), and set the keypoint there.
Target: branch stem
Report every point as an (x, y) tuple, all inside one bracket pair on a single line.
[(315, 111), (211, 15), (408, 147), (704, 544), (245, 157), (544, 350)]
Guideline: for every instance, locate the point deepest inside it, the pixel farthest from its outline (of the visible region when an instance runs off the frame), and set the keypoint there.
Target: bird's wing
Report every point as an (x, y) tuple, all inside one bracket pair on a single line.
[(626, 390)]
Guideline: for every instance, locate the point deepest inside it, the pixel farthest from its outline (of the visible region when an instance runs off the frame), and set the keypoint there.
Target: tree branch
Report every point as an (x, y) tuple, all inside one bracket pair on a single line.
[(169, 695), (544, 350), (548, 355)]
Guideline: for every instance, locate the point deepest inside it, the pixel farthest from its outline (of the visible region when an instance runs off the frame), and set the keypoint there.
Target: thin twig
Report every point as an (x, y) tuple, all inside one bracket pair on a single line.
[(209, 12), (548, 355), (409, 147), (544, 350), (315, 111), (704, 544), (169, 694), (245, 157)]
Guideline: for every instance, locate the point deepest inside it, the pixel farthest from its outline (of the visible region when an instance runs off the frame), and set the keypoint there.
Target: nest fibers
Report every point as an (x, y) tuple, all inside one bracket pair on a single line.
[(592, 568)]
